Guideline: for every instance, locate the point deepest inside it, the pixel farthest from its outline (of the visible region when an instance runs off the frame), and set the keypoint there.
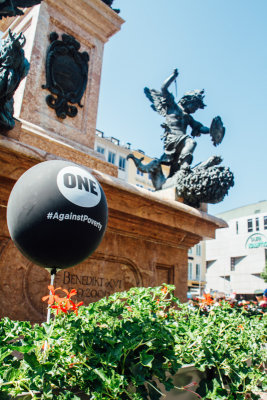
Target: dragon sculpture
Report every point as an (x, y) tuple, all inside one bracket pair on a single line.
[(13, 68)]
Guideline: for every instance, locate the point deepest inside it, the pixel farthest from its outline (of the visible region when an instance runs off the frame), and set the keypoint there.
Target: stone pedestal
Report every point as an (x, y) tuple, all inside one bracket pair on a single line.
[(91, 23), (146, 241), (148, 234)]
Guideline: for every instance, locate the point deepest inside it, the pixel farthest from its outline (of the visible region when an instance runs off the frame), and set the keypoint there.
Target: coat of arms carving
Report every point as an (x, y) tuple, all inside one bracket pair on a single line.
[(66, 75)]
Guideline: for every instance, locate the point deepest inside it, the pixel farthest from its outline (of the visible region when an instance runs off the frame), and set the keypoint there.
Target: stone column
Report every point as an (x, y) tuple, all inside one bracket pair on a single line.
[(91, 23)]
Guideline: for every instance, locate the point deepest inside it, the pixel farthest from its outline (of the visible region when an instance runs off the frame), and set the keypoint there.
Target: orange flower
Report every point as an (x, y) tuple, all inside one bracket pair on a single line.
[(67, 300), (73, 292), (60, 308), (62, 304), (52, 297), (241, 327), (164, 289), (75, 307), (129, 308), (208, 299)]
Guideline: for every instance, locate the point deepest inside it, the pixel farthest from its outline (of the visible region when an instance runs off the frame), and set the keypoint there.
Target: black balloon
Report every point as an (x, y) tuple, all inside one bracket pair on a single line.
[(57, 214)]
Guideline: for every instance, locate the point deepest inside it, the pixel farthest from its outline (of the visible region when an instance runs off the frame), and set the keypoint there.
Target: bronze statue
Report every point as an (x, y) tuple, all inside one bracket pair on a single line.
[(109, 3), (206, 182), (13, 68), (178, 145), (11, 8)]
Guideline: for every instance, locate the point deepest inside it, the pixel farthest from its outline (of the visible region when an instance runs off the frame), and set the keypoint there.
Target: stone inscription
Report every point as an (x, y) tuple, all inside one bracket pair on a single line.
[(94, 279), (91, 287)]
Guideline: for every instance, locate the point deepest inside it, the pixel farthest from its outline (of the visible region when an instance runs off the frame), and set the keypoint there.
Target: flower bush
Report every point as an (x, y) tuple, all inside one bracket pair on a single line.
[(121, 346), (207, 303)]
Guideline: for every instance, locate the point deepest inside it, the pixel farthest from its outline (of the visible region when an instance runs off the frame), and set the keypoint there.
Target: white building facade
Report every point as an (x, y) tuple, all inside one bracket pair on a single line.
[(197, 269), (236, 258), (116, 152), (113, 152)]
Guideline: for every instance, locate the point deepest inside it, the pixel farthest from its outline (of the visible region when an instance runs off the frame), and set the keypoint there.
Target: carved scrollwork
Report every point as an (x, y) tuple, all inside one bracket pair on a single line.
[(66, 75)]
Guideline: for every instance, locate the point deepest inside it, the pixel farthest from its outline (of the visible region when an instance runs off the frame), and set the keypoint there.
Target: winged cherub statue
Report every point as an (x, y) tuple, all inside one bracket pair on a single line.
[(207, 182), (178, 144)]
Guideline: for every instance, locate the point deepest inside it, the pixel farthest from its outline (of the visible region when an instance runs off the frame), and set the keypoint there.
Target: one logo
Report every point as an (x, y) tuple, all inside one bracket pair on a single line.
[(79, 186)]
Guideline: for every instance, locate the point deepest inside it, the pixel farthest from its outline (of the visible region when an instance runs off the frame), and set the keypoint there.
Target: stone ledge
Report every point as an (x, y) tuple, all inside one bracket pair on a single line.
[(27, 136), (94, 15)]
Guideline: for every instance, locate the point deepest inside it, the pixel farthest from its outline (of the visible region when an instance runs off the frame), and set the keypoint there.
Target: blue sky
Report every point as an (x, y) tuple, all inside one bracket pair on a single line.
[(218, 45)]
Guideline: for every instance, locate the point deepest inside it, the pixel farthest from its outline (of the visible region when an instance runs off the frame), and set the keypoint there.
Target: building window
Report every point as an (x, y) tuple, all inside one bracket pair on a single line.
[(122, 163), (190, 271), (209, 264), (236, 227), (232, 266), (198, 250), (250, 225), (139, 172), (198, 272), (190, 251), (111, 157), (257, 224), (100, 149), (265, 222)]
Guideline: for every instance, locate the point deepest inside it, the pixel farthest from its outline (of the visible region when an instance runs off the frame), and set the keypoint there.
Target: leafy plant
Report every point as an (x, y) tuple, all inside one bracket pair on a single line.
[(264, 272), (121, 346)]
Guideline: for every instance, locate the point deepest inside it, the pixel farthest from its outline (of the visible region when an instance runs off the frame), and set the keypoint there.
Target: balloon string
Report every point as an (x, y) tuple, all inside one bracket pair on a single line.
[(49, 308)]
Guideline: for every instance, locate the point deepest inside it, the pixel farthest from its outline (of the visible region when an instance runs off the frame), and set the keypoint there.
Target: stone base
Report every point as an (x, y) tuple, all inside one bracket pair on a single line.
[(146, 242)]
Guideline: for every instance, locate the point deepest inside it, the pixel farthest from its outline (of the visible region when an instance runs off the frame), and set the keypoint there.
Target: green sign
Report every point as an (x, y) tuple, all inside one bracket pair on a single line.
[(256, 240)]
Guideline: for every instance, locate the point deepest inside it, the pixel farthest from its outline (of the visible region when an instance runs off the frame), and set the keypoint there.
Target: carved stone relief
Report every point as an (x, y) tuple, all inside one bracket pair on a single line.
[(66, 74)]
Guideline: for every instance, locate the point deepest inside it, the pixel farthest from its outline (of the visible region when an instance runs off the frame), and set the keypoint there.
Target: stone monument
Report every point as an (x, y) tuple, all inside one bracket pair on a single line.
[(148, 236)]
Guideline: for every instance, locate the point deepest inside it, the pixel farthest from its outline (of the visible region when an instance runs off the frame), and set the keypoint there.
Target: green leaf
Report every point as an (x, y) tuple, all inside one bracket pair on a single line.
[(146, 359), (5, 354), (31, 360), (100, 374), (23, 349)]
